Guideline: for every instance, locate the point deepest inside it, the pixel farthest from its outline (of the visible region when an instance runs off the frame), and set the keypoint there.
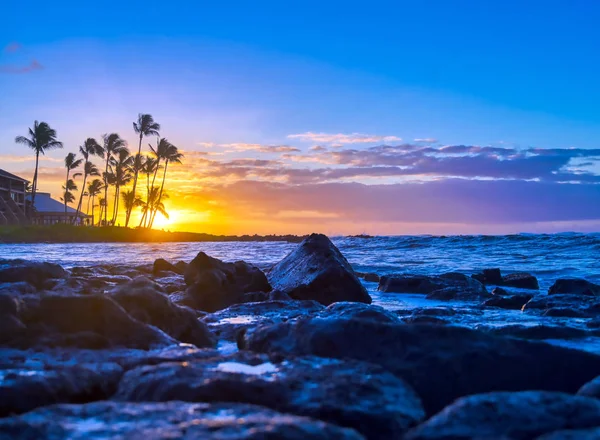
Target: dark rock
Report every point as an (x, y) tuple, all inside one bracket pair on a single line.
[(573, 434), (316, 270), (25, 389), (591, 389), (348, 393), (579, 302), (228, 322), (162, 265), (181, 266), (21, 287), (410, 284), (168, 420), (353, 310), (524, 415), (564, 312), (434, 311), (215, 285), (442, 363), (593, 323), (500, 291), (521, 280), (143, 301), (513, 302), (425, 320), (92, 321), (36, 274), (539, 331), (368, 276), (489, 276), (443, 287), (574, 286)]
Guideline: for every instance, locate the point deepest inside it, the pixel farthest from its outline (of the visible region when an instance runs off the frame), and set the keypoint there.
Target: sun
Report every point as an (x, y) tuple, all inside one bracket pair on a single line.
[(161, 222)]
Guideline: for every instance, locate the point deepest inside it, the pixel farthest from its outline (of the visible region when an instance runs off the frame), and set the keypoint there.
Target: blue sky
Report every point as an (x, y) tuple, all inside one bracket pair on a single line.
[(509, 74)]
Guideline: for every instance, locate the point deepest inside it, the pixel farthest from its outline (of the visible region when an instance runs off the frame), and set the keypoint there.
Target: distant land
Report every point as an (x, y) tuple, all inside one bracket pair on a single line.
[(62, 233)]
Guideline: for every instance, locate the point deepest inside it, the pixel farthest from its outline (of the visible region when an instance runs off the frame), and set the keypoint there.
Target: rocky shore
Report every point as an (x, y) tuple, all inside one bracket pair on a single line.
[(212, 349)]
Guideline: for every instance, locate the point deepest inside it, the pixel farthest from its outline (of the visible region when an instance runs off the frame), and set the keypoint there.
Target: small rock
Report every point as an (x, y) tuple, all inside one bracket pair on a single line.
[(564, 312), (521, 280), (512, 302), (574, 286), (161, 265), (34, 273), (591, 389), (500, 291)]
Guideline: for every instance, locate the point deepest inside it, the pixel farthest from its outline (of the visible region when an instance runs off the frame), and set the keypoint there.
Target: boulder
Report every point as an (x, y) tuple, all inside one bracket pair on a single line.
[(591, 389), (316, 270), (500, 291), (352, 394), (368, 276), (162, 265), (215, 285), (521, 280), (443, 287), (143, 300), (538, 331), (353, 310), (440, 362), (166, 420), (512, 302), (34, 273), (516, 416), (587, 304), (574, 286), (489, 276), (573, 434), (564, 312)]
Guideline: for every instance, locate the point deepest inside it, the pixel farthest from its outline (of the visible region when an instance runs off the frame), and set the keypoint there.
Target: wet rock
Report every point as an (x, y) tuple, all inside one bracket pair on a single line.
[(25, 389), (574, 286), (539, 331), (215, 285), (92, 321), (162, 265), (168, 420), (489, 276), (443, 287), (410, 284), (353, 310), (564, 312), (181, 266), (585, 303), (573, 434), (143, 300), (521, 280), (591, 389), (512, 302), (425, 320), (441, 363), (368, 276), (434, 311), (21, 288), (34, 273), (348, 393), (316, 270), (593, 323), (229, 322), (500, 291), (524, 415)]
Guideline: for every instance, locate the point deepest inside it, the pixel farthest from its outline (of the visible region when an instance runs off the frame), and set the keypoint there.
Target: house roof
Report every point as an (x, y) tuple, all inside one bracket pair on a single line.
[(11, 176), (44, 204)]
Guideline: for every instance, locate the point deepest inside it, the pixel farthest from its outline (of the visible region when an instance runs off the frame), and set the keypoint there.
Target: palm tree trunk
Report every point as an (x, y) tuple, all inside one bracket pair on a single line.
[(116, 205), (93, 200), (80, 198), (135, 177), (160, 192), (65, 195), (87, 209), (105, 188), (34, 186)]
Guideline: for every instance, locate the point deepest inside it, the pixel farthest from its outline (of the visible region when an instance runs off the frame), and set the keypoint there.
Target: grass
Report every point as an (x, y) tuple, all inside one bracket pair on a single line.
[(62, 233)]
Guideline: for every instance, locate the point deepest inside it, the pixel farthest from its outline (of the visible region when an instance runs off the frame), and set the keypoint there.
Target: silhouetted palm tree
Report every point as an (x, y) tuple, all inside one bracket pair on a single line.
[(68, 196), (89, 148), (71, 163), (121, 169), (94, 188), (149, 167), (41, 139), (145, 126), (169, 153), (112, 144), (129, 202)]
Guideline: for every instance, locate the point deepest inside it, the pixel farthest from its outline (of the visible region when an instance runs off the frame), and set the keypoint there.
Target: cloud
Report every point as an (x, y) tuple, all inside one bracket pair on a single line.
[(352, 138), (426, 140), (318, 148), (12, 47), (9, 68), (241, 146)]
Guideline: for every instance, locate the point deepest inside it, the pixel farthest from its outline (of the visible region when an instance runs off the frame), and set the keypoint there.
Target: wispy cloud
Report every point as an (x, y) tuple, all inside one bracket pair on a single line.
[(241, 146), (12, 47), (14, 69), (426, 140), (340, 138)]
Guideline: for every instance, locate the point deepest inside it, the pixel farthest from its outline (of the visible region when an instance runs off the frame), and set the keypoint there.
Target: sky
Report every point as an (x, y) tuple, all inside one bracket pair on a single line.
[(404, 117)]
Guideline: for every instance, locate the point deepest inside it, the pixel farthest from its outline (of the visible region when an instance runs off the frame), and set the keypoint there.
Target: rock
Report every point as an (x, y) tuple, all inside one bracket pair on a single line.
[(228, 322), (161, 265), (489, 276), (500, 291), (368, 276), (590, 389), (34, 273), (215, 285), (92, 321), (501, 415), (573, 434), (443, 287), (539, 331), (355, 310), (181, 266), (513, 302), (348, 393), (440, 362), (587, 304), (434, 311), (316, 270), (166, 420), (20, 288), (25, 389), (574, 286), (425, 320), (143, 301), (521, 280), (564, 312), (593, 323)]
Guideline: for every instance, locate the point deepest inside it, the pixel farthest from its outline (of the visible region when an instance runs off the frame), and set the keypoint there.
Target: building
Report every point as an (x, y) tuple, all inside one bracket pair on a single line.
[(13, 209), (49, 211)]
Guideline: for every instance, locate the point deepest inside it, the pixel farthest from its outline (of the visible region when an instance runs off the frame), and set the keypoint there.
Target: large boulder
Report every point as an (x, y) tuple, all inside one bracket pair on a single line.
[(166, 420), (143, 300), (348, 393), (316, 270), (441, 363), (574, 286), (515, 416), (162, 265), (215, 285), (443, 287), (34, 273), (521, 280)]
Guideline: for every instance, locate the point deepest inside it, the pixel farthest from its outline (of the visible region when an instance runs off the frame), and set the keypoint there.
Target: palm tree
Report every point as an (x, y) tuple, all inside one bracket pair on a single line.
[(68, 196), (94, 188), (89, 148), (102, 204), (71, 163), (149, 167), (41, 139), (121, 170), (112, 145), (170, 154), (145, 126), (129, 202)]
